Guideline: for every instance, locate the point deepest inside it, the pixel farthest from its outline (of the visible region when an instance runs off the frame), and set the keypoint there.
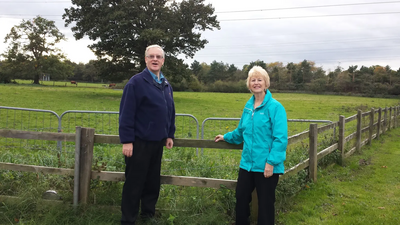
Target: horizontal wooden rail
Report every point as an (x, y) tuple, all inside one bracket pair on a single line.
[(351, 118), (179, 142), (111, 139), (352, 150), (34, 135), (327, 127), (298, 137), (365, 129), (350, 136), (36, 169), (174, 180), (306, 163), (106, 139), (295, 169), (120, 176), (327, 151), (364, 114)]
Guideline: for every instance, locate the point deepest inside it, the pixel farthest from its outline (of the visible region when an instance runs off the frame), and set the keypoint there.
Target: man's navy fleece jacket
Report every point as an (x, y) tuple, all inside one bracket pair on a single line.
[(147, 110)]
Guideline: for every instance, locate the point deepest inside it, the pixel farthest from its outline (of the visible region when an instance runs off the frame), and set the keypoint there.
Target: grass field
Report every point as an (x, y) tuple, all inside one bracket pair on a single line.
[(365, 191), (63, 84), (201, 105), (180, 205)]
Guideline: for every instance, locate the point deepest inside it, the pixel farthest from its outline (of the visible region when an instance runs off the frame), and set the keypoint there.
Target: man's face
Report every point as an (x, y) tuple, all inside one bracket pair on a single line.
[(154, 60)]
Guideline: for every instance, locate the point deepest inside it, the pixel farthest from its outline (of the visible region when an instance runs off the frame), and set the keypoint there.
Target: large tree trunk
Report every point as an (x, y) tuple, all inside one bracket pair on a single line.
[(36, 78)]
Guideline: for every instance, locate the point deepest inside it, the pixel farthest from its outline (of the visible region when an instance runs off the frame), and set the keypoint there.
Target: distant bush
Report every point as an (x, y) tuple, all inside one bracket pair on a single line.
[(227, 87)]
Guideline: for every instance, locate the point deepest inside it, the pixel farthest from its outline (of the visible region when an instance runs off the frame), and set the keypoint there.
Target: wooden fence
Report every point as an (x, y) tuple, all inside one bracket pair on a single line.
[(86, 137)]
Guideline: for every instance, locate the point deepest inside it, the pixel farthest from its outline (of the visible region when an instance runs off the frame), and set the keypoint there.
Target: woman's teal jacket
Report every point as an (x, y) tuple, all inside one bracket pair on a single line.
[(264, 133)]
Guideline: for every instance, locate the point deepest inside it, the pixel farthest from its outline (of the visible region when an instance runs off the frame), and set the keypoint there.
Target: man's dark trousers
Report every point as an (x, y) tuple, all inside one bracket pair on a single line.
[(142, 180)]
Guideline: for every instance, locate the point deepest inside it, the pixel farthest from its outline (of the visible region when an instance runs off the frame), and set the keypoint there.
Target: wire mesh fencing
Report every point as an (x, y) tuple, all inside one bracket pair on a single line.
[(108, 157), (61, 154), (35, 152)]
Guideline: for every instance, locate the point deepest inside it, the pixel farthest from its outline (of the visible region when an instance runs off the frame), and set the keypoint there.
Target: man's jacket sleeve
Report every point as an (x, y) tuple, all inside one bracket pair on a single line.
[(171, 133), (127, 110)]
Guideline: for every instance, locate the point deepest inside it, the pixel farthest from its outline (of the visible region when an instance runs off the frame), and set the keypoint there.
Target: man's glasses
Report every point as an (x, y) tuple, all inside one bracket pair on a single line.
[(154, 56)]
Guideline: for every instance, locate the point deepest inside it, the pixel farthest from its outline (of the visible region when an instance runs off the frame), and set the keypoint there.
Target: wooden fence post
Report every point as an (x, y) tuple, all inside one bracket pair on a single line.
[(85, 169), (77, 165), (397, 117), (378, 132), (390, 118), (371, 125), (384, 128), (394, 117), (342, 122), (396, 123), (312, 169), (358, 134)]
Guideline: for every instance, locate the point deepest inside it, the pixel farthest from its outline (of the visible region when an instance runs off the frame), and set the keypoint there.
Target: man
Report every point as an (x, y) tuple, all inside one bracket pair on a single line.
[(146, 123)]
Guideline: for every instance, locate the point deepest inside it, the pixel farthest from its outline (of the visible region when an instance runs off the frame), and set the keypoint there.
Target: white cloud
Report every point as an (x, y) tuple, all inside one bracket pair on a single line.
[(296, 32)]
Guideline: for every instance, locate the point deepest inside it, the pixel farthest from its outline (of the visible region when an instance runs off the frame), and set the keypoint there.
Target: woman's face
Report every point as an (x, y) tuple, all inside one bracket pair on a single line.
[(257, 84)]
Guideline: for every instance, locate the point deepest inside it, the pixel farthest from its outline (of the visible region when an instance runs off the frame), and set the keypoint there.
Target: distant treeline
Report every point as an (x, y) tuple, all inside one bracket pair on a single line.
[(303, 76), (223, 77)]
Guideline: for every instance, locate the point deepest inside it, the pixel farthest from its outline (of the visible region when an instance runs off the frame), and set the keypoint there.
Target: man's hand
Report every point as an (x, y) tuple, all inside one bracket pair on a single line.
[(268, 171), (127, 149), (169, 143)]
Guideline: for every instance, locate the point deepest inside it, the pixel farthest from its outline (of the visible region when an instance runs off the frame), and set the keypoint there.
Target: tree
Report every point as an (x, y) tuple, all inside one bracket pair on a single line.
[(123, 29), (247, 68), (90, 72), (352, 70), (57, 69), (291, 70), (202, 76), (31, 42), (231, 71), (304, 74), (274, 70), (5, 75), (218, 71), (195, 67)]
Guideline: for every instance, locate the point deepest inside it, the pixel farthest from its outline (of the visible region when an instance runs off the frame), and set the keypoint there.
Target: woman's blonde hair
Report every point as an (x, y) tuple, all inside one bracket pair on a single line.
[(258, 71)]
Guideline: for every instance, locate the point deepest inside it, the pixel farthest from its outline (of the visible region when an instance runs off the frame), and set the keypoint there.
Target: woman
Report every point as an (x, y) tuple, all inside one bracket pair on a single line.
[(263, 129)]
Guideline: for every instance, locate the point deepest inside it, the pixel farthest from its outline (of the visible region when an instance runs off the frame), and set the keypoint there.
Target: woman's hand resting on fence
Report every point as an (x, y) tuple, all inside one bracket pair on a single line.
[(219, 138), (127, 149)]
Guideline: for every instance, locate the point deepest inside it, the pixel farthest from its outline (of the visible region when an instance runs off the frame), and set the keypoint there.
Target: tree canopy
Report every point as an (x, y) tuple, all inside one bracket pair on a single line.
[(123, 29), (31, 43)]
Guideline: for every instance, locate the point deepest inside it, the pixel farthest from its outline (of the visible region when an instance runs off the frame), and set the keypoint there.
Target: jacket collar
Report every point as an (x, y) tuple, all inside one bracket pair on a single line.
[(267, 97), (150, 79)]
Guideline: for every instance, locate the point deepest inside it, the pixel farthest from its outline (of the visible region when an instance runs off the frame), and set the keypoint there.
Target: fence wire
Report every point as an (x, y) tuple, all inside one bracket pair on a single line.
[(108, 157)]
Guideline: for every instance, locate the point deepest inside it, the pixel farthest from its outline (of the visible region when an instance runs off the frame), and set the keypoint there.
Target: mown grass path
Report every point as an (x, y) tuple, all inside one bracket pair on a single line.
[(365, 191)]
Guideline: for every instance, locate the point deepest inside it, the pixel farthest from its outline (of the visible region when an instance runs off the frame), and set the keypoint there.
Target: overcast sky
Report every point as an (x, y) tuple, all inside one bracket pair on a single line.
[(330, 33)]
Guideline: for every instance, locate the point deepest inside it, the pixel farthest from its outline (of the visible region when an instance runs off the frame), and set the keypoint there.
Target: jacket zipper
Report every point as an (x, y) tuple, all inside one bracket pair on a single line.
[(166, 105), (252, 144)]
